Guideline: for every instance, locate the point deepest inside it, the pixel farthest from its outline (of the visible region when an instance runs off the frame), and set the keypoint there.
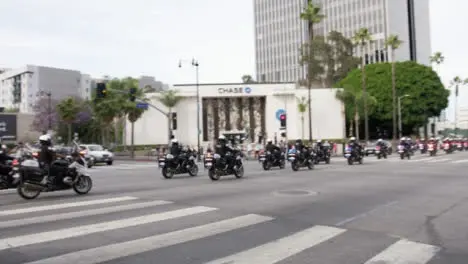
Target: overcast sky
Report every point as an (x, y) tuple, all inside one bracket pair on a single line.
[(149, 37)]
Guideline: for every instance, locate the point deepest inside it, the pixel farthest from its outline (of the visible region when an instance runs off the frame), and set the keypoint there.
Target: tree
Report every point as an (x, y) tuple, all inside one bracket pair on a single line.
[(149, 89), (247, 79), (427, 95), (331, 58), (130, 109), (362, 38), (12, 110), (437, 58), (312, 15), (302, 108), (169, 99), (68, 110), (353, 99), (393, 42), (42, 116)]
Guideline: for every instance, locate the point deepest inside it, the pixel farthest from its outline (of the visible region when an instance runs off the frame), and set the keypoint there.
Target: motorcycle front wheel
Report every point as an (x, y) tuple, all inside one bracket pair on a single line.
[(193, 171), (167, 174), (239, 173), (266, 165), (213, 175), (83, 185)]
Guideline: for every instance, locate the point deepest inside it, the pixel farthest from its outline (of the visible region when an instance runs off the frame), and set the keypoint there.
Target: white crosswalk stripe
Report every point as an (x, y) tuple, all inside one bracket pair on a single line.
[(25, 229)]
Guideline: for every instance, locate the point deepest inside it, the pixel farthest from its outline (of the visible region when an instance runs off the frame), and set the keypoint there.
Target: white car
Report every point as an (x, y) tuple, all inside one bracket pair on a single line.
[(100, 154)]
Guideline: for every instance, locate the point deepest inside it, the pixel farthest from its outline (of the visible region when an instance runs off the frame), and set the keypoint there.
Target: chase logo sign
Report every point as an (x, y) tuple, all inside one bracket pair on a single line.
[(235, 90)]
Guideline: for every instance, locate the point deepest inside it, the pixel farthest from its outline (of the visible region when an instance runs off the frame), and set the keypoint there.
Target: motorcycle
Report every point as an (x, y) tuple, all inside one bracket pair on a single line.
[(422, 148), (298, 161), (465, 145), (269, 160), (379, 152), (171, 165), (11, 180), (431, 148), (448, 148), (323, 155), (352, 156), (31, 174), (404, 152), (220, 167)]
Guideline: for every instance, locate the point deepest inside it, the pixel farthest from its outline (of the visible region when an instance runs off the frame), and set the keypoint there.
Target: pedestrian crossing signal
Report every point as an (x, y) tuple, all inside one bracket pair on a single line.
[(283, 120), (101, 90)]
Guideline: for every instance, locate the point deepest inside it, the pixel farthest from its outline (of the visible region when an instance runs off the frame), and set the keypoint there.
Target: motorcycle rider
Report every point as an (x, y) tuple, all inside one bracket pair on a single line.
[(354, 145), (275, 150), (222, 149), (176, 150), (46, 156), (4, 157), (381, 144)]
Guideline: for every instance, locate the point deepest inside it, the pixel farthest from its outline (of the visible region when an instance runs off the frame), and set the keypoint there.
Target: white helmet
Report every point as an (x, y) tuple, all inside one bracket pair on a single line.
[(4, 147), (269, 140), (174, 140), (44, 138), (221, 137), (352, 138), (403, 138), (319, 141), (380, 140)]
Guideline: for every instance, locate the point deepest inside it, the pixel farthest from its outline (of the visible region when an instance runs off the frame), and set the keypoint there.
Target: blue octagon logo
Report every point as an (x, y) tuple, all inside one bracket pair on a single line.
[(280, 112), (247, 90)]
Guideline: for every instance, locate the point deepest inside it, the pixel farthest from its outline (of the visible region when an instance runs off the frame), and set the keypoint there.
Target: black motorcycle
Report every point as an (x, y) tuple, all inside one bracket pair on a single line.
[(381, 152), (184, 163), (404, 152), (298, 160), (270, 160), (352, 156), (323, 154), (230, 164), (31, 175)]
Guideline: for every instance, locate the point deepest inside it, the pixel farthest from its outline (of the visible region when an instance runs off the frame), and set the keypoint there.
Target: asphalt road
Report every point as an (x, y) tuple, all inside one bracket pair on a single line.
[(384, 211)]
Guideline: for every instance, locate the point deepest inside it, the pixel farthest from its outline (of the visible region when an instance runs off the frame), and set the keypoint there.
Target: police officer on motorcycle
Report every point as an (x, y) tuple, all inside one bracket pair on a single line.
[(175, 150), (354, 144), (46, 156), (222, 149), (275, 150)]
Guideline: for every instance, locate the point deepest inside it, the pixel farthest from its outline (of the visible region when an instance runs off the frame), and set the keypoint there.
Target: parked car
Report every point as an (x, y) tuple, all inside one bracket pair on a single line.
[(100, 154)]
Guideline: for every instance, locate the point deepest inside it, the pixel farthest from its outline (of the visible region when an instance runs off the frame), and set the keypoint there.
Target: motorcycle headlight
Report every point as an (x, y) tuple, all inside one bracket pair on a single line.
[(216, 156), (169, 156), (268, 153)]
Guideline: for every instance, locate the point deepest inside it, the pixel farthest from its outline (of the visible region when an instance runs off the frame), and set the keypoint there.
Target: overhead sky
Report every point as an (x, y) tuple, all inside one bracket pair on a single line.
[(149, 37)]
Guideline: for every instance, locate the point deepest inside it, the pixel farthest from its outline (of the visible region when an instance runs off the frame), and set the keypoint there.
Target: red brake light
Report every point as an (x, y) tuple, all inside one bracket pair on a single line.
[(35, 154), (15, 162)]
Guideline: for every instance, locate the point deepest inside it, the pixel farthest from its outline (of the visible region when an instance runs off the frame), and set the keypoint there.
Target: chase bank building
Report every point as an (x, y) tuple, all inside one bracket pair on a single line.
[(253, 109)]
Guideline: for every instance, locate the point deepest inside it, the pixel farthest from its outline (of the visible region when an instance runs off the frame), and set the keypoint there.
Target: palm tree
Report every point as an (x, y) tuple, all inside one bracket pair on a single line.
[(302, 108), (362, 38), (437, 59), (456, 82), (169, 99), (312, 15), (354, 100), (393, 42), (68, 110)]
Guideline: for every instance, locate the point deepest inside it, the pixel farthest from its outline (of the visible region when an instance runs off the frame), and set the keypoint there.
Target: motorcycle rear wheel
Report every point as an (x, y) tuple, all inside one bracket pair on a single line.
[(26, 193)]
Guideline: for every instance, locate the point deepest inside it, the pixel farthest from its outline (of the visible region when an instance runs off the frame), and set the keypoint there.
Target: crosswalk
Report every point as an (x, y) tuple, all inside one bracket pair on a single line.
[(447, 159), (121, 229)]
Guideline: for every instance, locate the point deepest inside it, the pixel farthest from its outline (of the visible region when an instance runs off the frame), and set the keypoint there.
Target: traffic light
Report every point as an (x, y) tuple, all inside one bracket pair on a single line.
[(283, 120), (174, 121), (101, 90), (133, 94)]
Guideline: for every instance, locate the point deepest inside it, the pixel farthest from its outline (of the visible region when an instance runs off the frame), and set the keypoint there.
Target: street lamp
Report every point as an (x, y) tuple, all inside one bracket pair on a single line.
[(195, 64), (399, 113)]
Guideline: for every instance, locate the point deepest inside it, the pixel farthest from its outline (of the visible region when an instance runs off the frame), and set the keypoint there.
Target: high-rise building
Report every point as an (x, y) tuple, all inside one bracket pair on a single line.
[(279, 31)]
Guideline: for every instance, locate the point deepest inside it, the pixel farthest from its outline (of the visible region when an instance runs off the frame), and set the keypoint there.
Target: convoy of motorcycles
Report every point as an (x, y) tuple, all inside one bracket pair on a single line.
[(26, 174)]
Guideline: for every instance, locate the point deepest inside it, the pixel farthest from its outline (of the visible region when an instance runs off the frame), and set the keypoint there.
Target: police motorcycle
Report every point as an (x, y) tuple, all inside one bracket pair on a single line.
[(185, 163), (219, 166), (404, 152), (269, 160), (352, 155), (74, 176), (11, 180), (297, 159), (323, 154)]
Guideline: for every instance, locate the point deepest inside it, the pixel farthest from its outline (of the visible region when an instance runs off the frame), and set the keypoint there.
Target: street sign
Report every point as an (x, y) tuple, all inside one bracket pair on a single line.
[(142, 106)]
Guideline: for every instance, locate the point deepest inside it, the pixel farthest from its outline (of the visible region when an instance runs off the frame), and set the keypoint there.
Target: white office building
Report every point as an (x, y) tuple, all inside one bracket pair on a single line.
[(279, 31), (21, 88), (253, 109)]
